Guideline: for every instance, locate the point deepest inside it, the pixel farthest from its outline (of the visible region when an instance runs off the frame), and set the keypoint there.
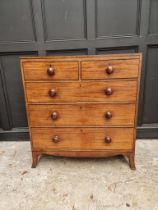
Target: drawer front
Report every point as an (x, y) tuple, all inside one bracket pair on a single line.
[(110, 69), (82, 138), (82, 115), (81, 91), (50, 70)]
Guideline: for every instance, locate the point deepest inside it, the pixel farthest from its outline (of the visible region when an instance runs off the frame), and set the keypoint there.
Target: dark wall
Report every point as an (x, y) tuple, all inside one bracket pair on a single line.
[(76, 27)]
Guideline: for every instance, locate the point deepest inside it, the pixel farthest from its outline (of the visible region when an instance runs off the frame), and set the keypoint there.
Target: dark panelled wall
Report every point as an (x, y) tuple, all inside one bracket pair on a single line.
[(76, 27)]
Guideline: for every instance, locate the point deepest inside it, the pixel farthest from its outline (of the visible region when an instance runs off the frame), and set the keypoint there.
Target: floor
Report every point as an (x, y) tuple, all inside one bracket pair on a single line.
[(74, 184)]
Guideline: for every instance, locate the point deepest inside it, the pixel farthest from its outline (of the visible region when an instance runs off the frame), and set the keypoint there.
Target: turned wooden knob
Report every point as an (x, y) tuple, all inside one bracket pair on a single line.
[(109, 70), (54, 115), (56, 139), (52, 92), (108, 91), (108, 115), (50, 71), (108, 139)]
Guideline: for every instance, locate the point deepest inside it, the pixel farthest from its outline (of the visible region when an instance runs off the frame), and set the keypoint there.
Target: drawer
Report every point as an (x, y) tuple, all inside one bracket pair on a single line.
[(81, 91), (50, 70), (110, 69), (82, 115), (82, 139)]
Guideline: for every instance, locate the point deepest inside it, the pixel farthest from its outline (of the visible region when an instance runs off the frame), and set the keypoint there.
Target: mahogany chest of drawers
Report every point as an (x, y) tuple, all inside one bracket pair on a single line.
[(82, 106)]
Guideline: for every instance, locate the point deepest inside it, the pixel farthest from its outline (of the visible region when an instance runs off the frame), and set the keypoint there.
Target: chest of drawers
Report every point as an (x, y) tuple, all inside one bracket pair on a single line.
[(82, 106)]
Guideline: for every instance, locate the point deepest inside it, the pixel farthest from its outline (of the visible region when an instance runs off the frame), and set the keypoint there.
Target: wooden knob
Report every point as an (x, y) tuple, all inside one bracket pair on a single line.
[(108, 115), (50, 71), (109, 69), (108, 91), (108, 139), (56, 139), (52, 92), (54, 115)]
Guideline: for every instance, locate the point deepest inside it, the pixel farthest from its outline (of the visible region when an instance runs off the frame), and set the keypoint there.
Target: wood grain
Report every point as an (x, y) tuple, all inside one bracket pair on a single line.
[(121, 69), (38, 70), (78, 127), (82, 138), (82, 115), (93, 91)]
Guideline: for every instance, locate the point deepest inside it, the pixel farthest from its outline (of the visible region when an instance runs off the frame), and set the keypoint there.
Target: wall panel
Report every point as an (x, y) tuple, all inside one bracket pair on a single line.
[(151, 87), (64, 20), (68, 52), (16, 21), (123, 16), (76, 27), (153, 18), (117, 50)]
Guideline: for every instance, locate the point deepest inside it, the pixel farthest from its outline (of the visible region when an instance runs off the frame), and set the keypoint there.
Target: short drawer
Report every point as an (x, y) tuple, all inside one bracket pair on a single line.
[(64, 70), (82, 115), (68, 139), (81, 91), (110, 69)]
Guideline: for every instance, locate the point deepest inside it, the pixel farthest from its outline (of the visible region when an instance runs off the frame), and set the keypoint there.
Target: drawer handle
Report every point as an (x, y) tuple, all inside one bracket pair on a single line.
[(56, 139), (54, 115), (108, 115), (50, 71), (108, 140), (108, 91), (52, 92), (109, 70)]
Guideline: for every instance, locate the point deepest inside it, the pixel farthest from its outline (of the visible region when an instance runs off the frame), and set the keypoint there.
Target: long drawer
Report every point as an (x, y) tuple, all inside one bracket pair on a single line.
[(110, 69), (82, 138), (50, 70), (82, 115), (47, 92)]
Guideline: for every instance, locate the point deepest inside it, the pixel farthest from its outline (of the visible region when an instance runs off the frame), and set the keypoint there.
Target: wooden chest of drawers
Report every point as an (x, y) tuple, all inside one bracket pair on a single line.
[(82, 106)]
